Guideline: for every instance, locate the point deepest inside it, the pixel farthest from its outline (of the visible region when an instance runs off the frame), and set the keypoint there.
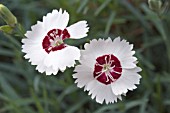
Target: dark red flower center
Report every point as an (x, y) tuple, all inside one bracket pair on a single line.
[(53, 41), (107, 69)]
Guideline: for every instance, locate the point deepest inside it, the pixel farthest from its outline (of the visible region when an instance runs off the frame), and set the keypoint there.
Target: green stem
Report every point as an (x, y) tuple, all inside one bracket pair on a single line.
[(159, 96), (20, 30), (45, 96), (37, 102), (166, 41)]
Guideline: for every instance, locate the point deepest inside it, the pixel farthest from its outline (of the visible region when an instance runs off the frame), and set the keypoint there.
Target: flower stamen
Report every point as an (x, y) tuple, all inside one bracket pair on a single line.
[(106, 69), (98, 75), (54, 40), (99, 64)]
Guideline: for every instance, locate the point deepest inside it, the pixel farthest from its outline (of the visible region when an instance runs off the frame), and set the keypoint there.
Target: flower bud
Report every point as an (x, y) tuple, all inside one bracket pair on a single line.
[(155, 5), (7, 16)]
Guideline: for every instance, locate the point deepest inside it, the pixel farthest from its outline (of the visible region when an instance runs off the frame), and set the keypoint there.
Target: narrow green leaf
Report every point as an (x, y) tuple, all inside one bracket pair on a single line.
[(156, 41), (76, 106), (158, 22), (3, 97), (36, 83), (37, 101), (105, 3), (67, 91), (109, 23), (6, 52), (10, 67), (14, 41), (145, 61), (45, 97), (134, 103), (82, 5), (145, 100), (8, 89), (137, 14), (5, 43)]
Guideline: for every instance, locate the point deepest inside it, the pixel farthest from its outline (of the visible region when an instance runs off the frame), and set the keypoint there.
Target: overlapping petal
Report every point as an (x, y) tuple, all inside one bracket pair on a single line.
[(56, 19), (78, 30)]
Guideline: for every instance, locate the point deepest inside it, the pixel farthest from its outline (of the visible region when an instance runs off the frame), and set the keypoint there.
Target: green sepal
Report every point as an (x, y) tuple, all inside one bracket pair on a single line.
[(6, 29)]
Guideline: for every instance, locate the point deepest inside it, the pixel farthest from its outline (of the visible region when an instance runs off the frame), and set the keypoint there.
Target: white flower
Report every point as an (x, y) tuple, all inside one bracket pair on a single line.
[(108, 69), (44, 44)]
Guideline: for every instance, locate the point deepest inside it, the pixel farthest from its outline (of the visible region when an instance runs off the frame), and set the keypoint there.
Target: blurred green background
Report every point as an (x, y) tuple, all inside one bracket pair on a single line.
[(24, 90)]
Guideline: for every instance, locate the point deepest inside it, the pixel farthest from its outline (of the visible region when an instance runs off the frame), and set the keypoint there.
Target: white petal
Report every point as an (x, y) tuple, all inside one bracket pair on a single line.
[(62, 58), (32, 45), (82, 80), (83, 68), (56, 20), (41, 68), (37, 34), (128, 65), (101, 92), (49, 70), (95, 49), (124, 53), (34, 52), (127, 81), (83, 75), (92, 51), (78, 30)]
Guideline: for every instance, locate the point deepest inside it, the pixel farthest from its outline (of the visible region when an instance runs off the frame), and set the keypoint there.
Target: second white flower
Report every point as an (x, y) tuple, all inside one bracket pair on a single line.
[(45, 47), (108, 69)]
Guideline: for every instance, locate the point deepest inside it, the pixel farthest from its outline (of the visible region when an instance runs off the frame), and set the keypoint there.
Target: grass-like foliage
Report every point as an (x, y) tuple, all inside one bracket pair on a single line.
[(24, 90)]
